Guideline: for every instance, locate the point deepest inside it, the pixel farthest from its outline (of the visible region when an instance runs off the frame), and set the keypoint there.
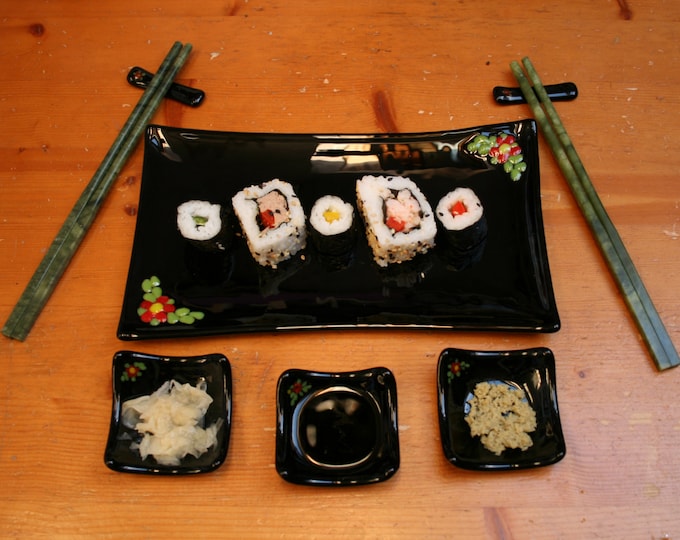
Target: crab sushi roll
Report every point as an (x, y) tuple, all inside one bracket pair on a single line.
[(462, 217), (272, 220), (203, 224), (399, 221), (332, 225)]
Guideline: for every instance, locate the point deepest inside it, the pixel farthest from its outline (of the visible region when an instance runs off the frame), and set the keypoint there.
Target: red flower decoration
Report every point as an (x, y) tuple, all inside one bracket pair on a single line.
[(455, 369), (157, 310), (298, 389), (132, 371), (502, 149)]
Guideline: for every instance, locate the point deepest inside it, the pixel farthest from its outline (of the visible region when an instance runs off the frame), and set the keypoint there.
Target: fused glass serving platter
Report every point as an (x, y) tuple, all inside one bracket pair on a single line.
[(174, 289)]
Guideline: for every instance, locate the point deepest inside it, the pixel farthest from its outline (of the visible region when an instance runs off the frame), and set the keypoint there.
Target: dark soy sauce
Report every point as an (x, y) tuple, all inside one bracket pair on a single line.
[(338, 428)]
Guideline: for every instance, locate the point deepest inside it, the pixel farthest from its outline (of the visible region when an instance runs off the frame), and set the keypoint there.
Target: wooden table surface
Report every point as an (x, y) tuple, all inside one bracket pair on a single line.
[(340, 67)]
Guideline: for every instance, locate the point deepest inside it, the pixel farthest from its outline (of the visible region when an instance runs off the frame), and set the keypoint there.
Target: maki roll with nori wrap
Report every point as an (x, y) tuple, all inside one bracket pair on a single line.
[(461, 215), (203, 224), (272, 220), (332, 225), (464, 228), (399, 221)]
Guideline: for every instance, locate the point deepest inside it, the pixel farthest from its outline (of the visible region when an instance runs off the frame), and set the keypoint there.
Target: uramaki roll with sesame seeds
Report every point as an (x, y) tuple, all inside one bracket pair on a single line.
[(399, 221)]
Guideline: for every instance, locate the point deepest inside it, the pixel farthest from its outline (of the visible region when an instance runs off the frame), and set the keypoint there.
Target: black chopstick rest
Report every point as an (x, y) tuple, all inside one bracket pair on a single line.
[(557, 92), (140, 78)]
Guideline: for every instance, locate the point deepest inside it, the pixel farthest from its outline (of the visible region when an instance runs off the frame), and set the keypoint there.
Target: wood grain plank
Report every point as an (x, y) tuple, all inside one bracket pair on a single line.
[(317, 67)]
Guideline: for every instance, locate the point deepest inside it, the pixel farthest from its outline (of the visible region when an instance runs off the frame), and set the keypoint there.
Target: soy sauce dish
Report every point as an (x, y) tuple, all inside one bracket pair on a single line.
[(337, 428), (532, 371), (138, 375)]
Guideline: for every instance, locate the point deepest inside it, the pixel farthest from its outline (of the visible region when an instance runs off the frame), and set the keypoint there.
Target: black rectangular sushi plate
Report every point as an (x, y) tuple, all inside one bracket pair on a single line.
[(502, 284)]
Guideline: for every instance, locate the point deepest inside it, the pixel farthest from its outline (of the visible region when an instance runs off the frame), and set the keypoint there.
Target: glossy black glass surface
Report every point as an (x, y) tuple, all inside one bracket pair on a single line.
[(136, 374), (337, 428), (141, 78), (505, 284), (567, 91), (533, 370)]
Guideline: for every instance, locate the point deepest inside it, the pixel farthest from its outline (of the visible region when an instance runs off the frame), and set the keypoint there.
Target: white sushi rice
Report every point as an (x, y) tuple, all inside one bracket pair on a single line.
[(271, 246), (473, 207), (331, 203), (389, 246), (199, 220)]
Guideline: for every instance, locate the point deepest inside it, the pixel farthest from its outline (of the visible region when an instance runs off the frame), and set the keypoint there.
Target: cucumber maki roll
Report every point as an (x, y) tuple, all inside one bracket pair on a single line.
[(203, 224)]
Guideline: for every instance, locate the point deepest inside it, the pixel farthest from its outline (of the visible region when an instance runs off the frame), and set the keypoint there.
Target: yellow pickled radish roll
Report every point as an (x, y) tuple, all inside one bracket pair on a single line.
[(332, 221), (331, 215)]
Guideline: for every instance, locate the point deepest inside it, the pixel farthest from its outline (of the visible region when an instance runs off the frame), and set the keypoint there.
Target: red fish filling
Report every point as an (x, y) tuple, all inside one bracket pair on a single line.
[(273, 210), (402, 213)]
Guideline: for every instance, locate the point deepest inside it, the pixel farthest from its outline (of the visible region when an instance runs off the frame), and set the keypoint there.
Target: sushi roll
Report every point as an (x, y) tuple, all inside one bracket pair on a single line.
[(332, 221), (203, 224), (272, 220), (462, 217), (399, 221)]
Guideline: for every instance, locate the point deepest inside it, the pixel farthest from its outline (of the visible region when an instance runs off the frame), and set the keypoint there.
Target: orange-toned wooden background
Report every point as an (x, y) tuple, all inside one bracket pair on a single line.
[(340, 67)]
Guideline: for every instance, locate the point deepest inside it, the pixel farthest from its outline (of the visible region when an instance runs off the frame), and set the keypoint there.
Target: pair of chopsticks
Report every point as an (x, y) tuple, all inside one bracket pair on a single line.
[(621, 266), (74, 229)]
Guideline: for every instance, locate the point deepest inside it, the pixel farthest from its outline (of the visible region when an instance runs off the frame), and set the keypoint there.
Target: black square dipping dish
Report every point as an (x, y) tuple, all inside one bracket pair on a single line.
[(138, 374), (533, 371), (337, 428)]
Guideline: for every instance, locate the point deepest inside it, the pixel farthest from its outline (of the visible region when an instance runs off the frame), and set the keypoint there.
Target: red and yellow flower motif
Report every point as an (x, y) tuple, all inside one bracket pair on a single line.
[(132, 371), (156, 312), (456, 368), (158, 308)]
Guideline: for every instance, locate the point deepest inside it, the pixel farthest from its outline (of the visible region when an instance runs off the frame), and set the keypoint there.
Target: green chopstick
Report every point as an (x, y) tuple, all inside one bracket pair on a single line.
[(79, 220), (635, 294)]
